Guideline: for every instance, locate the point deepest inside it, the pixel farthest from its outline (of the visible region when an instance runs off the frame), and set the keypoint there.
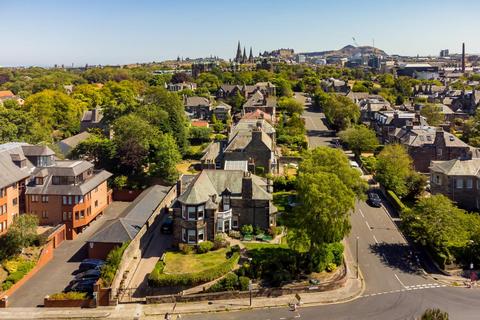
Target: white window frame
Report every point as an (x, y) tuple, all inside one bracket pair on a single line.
[(200, 210), (201, 232), (194, 212), (190, 233), (458, 183), (469, 184)]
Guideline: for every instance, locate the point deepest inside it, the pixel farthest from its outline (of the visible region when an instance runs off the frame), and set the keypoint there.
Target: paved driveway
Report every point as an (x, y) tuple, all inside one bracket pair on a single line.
[(56, 275)]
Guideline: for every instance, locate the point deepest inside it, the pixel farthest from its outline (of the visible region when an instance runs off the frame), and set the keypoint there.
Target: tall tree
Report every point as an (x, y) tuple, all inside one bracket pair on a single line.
[(393, 168), (359, 139), (433, 113)]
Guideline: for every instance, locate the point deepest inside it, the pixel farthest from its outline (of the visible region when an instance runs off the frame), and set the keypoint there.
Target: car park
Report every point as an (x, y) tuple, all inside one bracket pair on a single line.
[(88, 264)]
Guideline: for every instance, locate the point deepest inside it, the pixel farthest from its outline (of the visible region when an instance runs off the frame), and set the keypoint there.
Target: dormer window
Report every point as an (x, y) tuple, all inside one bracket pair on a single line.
[(226, 202)]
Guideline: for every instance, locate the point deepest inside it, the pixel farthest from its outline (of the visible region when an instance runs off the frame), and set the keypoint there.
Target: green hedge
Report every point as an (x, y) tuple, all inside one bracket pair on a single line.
[(397, 203), (159, 279), (111, 264), (69, 296)]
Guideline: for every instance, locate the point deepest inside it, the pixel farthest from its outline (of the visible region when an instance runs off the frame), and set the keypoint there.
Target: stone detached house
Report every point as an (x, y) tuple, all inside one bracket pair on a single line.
[(459, 180), (425, 144), (246, 91), (385, 122), (198, 107), (259, 101), (175, 87), (222, 111), (68, 192), (216, 201)]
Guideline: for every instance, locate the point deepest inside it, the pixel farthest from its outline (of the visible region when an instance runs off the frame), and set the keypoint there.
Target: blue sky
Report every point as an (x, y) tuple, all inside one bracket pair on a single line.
[(45, 32)]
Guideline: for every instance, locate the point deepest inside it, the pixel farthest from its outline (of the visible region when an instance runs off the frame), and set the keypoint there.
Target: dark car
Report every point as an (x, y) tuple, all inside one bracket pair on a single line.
[(88, 264), (167, 225), (89, 274), (374, 200), (81, 286)]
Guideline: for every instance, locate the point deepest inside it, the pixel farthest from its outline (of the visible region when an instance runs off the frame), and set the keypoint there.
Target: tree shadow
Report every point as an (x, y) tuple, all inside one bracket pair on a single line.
[(396, 255)]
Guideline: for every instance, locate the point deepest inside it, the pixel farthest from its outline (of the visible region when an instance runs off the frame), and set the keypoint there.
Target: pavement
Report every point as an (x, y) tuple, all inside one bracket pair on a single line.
[(56, 275)]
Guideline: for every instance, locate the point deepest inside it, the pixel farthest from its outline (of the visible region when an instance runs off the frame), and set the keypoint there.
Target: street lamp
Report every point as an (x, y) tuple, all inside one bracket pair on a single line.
[(356, 246)]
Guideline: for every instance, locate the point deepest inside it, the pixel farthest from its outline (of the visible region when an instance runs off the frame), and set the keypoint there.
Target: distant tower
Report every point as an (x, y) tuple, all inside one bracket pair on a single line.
[(463, 57), (238, 57), (244, 58), (250, 56)]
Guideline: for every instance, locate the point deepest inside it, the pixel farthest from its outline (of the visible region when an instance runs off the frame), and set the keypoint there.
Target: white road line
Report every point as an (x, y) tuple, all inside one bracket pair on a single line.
[(361, 212), (374, 238), (366, 222), (399, 280)]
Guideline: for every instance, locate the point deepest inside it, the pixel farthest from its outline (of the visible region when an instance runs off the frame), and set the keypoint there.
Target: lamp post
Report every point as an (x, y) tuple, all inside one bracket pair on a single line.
[(250, 287), (356, 249)]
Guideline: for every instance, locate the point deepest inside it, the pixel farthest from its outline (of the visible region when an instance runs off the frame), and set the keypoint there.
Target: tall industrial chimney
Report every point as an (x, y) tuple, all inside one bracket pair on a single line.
[(463, 57)]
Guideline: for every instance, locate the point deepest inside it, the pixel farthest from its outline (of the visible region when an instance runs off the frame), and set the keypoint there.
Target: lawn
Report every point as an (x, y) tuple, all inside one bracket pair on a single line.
[(177, 262)]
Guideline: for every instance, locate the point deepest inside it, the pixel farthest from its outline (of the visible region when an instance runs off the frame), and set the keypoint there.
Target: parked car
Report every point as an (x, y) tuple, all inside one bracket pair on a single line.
[(88, 264), (374, 200), (81, 286), (89, 274), (167, 225)]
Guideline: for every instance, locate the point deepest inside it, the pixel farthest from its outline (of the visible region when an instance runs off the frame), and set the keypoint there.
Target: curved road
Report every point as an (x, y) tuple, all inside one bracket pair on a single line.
[(396, 286)]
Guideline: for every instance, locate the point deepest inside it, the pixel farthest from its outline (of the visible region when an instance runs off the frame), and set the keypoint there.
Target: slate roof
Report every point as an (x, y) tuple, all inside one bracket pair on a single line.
[(242, 139), (10, 172), (30, 150), (66, 145), (424, 135), (457, 167), (197, 101), (250, 124), (236, 165), (133, 218), (214, 182)]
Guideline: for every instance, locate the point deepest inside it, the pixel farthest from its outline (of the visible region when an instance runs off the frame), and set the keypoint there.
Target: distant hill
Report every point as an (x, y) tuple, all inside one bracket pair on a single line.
[(347, 51)]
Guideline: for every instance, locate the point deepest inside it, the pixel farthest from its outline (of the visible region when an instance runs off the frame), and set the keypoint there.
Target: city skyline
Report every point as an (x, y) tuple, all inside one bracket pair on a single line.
[(121, 32)]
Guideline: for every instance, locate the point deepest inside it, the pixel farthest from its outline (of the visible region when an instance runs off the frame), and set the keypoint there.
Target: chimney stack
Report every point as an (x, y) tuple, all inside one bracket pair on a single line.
[(247, 186), (463, 57)]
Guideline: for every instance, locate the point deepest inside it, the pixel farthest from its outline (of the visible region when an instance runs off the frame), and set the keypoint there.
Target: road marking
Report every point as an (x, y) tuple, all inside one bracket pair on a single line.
[(408, 288), (361, 212), (399, 280), (374, 238), (366, 222)]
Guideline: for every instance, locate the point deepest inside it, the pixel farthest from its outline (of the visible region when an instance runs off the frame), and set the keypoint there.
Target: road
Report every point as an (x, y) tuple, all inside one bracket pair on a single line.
[(396, 287)]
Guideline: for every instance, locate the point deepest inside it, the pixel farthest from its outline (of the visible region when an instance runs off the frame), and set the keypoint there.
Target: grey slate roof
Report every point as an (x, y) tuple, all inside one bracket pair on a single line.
[(214, 182), (457, 167), (133, 218), (66, 145), (247, 125), (9, 172), (30, 150)]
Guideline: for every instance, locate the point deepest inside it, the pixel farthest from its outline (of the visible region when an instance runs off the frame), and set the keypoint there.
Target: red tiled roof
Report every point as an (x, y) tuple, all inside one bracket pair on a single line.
[(6, 94), (257, 114), (200, 123)]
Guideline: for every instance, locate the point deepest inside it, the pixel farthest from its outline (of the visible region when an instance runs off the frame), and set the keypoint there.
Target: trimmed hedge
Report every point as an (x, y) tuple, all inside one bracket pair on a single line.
[(110, 267), (397, 203), (68, 296), (158, 279)]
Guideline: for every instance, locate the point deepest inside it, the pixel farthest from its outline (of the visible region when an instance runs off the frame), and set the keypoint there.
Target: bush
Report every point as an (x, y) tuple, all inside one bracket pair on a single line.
[(284, 183), (337, 251), (234, 234), (246, 229), (109, 269), (72, 295), (204, 247), (397, 203), (15, 277), (331, 267), (194, 278), (243, 283), (230, 281), (185, 248), (220, 242), (259, 170), (7, 285), (274, 231), (11, 265)]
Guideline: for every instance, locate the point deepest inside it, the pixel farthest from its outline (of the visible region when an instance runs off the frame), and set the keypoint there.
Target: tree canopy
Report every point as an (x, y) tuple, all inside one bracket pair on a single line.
[(359, 139)]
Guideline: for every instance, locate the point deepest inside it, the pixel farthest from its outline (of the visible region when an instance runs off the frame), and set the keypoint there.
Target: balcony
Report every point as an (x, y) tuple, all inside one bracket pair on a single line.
[(224, 221), (224, 215)]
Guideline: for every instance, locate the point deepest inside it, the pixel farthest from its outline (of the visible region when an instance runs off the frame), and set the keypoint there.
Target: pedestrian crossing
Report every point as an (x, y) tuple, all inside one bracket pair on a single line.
[(408, 288)]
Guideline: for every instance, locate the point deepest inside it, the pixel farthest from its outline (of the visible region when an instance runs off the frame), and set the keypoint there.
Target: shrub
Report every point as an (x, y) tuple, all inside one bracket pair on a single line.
[(7, 285), (274, 231), (11, 265), (204, 246), (110, 267), (337, 251), (188, 279), (246, 229), (185, 248), (331, 267), (234, 234), (72, 295), (230, 281), (397, 203), (15, 277), (259, 171), (26, 266), (220, 242), (243, 283)]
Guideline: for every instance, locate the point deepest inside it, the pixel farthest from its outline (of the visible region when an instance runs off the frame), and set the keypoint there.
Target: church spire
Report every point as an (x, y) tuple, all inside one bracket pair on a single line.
[(238, 57), (250, 56), (244, 58)]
